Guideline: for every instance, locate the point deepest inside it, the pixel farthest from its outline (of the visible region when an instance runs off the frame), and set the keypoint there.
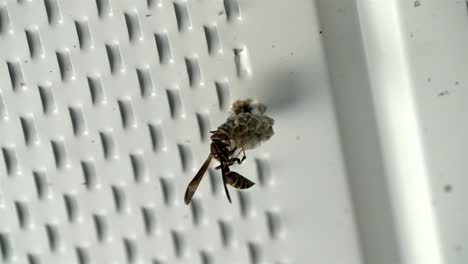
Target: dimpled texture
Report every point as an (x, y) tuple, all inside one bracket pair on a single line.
[(105, 113)]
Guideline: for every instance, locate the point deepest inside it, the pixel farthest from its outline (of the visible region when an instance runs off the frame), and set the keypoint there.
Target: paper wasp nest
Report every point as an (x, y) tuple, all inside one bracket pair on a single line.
[(247, 126)]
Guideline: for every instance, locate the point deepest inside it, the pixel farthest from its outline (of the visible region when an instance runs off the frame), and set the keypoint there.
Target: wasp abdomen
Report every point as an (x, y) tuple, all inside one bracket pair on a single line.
[(237, 181)]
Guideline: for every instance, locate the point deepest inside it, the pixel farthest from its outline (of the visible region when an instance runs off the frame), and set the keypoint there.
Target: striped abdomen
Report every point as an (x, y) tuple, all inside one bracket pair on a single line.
[(238, 181)]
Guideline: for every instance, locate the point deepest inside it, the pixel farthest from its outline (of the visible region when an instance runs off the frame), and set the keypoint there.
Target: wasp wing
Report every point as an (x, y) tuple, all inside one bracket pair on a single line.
[(193, 185), (238, 181)]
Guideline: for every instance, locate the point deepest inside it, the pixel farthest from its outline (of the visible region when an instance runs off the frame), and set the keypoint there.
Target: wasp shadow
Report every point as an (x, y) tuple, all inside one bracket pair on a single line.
[(284, 88)]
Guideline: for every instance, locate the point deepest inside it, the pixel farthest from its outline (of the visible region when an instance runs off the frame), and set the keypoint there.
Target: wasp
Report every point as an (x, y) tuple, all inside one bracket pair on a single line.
[(220, 150), (245, 128)]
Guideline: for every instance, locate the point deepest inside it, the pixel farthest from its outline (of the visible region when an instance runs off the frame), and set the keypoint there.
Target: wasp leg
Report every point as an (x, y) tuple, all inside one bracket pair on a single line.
[(244, 156), (232, 151), (224, 172), (236, 159), (230, 162)]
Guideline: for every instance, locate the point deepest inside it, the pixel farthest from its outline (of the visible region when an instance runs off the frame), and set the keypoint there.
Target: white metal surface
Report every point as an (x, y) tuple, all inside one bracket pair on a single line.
[(106, 107)]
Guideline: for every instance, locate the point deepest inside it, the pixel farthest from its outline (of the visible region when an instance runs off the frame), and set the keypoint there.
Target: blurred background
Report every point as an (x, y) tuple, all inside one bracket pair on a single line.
[(106, 108)]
